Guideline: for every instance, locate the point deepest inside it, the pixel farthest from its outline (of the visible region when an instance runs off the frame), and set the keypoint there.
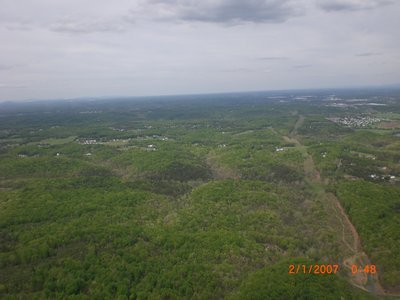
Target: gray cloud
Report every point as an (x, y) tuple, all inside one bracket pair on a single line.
[(229, 12), (143, 47), (87, 26), (301, 66), (74, 26), (226, 11), (12, 86), (21, 26), (273, 58), (6, 67), (241, 70), (351, 5), (368, 54)]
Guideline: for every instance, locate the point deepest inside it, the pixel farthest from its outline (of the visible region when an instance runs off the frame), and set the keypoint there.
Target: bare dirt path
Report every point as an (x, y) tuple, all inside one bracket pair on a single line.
[(299, 123), (350, 237), (218, 171)]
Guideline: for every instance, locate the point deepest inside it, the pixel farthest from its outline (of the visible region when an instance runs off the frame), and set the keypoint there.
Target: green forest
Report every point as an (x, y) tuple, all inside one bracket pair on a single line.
[(203, 198)]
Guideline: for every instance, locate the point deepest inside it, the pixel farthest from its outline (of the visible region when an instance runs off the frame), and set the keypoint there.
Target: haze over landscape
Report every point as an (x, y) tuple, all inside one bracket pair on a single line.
[(90, 48)]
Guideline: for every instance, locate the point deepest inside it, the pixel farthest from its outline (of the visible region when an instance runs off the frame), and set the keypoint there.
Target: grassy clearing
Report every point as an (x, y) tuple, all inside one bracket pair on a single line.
[(53, 141)]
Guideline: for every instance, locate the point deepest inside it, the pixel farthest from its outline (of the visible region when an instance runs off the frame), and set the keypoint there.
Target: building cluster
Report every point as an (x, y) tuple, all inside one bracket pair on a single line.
[(89, 142), (383, 177), (356, 121), (151, 148), (92, 141), (118, 129)]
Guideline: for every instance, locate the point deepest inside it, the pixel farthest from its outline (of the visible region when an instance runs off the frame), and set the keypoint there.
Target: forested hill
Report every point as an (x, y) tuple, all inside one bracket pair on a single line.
[(201, 197)]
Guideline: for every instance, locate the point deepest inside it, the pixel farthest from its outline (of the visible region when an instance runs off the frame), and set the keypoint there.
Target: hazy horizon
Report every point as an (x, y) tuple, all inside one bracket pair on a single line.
[(81, 49), (297, 91)]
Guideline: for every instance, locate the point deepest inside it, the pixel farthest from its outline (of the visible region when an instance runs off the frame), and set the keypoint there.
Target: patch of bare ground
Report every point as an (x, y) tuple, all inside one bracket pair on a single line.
[(243, 132), (310, 170), (125, 172), (350, 239), (389, 125), (299, 123), (291, 140), (350, 177), (218, 171)]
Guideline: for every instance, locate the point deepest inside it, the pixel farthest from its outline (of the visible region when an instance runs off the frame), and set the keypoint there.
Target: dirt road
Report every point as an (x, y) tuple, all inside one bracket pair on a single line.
[(350, 237)]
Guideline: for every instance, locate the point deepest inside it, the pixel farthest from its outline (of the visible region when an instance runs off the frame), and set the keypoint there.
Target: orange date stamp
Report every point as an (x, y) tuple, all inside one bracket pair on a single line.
[(367, 269), (313, 269)]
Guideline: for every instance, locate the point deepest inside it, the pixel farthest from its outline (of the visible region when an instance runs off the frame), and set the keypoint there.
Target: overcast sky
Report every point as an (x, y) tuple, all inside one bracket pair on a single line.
[(83, 48)]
